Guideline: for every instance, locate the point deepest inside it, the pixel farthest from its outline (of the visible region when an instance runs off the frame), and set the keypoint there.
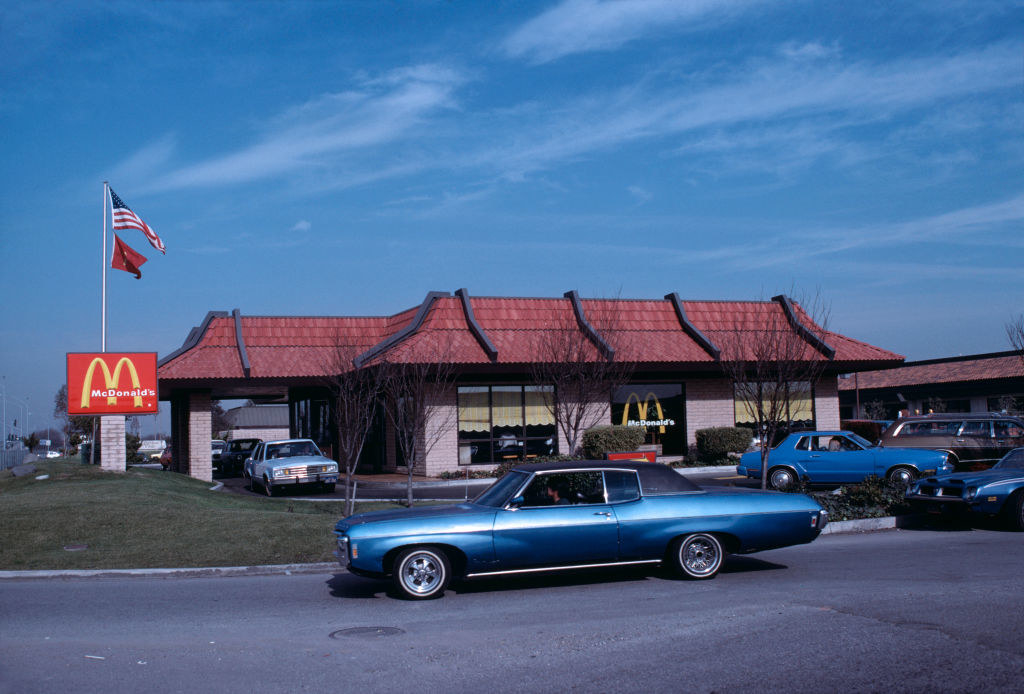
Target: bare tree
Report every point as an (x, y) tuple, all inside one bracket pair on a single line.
[(419, 387), (585, 366), (1015, 331), (354, 394), (774, 362)]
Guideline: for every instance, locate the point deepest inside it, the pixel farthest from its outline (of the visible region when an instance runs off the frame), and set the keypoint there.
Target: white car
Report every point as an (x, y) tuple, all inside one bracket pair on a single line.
[(289, 462)]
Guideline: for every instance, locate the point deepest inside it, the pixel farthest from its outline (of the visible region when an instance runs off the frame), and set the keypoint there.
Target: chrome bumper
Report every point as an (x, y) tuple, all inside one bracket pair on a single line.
[(342, 552)]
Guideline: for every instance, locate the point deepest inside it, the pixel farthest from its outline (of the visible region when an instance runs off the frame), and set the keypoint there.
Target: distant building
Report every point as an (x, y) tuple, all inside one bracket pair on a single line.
[(990, 382), (267, 422)]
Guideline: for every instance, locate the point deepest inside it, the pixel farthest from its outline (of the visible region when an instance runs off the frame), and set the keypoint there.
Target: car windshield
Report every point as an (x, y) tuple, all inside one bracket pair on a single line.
[(860, 440), (291, 449), (1014, 460), (240, 446), (501, 491)]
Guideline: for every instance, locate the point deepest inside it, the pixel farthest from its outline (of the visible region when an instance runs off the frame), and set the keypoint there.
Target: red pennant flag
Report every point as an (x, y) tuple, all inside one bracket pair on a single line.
[(124, 258)]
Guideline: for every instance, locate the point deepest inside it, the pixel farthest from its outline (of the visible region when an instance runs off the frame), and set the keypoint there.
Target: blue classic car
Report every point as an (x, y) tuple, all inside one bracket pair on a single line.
[(840, 457), (275, 465), (996, 491), (554, 516)]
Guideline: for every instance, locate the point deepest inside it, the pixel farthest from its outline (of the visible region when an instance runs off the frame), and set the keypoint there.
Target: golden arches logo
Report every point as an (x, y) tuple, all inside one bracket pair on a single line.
[(641, 410), (111, 380)]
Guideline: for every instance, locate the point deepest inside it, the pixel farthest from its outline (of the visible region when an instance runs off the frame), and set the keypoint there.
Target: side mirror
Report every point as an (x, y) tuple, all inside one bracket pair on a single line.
[(516, 503)]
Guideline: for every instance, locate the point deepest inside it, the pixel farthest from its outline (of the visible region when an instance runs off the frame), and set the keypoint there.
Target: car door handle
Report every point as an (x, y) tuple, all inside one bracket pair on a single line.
[(606, 514), (816, 455)]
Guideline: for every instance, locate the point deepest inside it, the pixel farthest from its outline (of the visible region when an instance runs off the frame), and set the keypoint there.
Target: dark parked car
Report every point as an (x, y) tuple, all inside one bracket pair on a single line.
[(233, 457), (973, 441), (998, 491), (558, 516), (840, 457)]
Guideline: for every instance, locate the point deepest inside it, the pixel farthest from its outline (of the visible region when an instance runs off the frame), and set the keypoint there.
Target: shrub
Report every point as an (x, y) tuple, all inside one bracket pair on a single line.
[(718, 442), (873, 498), (609, 438)]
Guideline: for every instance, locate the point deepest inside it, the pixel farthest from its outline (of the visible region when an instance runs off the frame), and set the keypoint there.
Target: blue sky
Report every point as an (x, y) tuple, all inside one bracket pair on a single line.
[(345, 158)]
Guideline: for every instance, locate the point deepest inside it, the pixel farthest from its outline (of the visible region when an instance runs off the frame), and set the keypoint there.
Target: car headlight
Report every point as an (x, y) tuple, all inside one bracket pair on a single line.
[(970, 493), (281, 472), (332, 467)]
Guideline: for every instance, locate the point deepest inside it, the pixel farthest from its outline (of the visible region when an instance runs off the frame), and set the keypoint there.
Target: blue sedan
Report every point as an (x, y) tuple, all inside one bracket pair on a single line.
[(559, 516), (996, 491), (840, 457)]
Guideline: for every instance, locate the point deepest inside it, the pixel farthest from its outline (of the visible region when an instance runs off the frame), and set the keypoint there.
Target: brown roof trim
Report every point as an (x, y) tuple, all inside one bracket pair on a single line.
[(414, 325), (787, 307), (690, 329), (603, 347), (194, 336), (240, 340), (474, 327)]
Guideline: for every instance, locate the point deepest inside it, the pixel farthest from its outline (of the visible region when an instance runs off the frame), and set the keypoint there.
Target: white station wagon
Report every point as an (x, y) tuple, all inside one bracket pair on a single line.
[(276, 464)]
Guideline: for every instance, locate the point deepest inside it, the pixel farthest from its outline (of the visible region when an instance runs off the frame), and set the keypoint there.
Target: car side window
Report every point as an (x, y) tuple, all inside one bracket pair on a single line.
[(1007, 429), (256, 454), (804, 444), (621, 485), (976, 429), (565, 489)]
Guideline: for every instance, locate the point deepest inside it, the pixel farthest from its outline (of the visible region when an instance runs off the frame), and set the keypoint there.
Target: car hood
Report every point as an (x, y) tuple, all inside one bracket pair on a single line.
[(982, 477), (298, 460), (411, 514)]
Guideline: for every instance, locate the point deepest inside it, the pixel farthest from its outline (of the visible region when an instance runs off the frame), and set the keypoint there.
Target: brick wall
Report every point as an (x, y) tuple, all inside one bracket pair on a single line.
[(200, 458), (443, 428), (826, 403), (113, 452), (709, 403)]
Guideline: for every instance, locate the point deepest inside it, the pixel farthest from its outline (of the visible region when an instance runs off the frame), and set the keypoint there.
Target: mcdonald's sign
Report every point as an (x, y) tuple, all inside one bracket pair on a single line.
[(112, 383), (642, 411)]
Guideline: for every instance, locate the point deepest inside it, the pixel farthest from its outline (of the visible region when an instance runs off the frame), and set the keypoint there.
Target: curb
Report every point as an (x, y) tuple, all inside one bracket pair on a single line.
[(866, 525)]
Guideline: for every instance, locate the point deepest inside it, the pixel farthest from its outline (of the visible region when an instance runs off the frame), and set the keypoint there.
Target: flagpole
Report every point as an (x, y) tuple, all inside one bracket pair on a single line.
[(103, 309)]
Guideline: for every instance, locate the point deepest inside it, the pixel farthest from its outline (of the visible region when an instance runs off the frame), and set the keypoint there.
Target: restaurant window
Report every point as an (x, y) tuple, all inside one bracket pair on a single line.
[(499, 423), (659, 409), (798, 407), (311, 419)]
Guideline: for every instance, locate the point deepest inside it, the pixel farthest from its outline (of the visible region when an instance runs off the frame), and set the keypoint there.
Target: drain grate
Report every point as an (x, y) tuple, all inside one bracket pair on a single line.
[(367, 632)]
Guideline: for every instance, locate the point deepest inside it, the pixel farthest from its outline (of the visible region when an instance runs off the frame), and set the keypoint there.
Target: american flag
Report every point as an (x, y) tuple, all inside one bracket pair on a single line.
[(124, 218)]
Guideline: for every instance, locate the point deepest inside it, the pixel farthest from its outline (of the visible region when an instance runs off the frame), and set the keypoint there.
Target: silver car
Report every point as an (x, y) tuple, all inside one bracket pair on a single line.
[(275, 465)]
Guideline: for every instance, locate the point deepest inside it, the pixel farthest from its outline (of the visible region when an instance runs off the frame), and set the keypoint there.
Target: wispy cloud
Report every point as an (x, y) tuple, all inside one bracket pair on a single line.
[(768, 92), (640, 194), (578, 26), (301, 225), (313, 134)]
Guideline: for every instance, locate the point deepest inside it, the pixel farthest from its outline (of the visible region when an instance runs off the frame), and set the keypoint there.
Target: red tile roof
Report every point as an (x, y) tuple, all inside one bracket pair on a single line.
[(980, 367), (641, 331)]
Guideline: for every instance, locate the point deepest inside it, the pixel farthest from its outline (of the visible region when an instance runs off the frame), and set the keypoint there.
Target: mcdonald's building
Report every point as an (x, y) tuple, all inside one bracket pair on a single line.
[(498, 409)]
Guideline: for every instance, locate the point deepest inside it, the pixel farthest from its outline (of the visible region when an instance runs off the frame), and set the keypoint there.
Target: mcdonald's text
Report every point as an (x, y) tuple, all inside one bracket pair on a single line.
[(101, 383)]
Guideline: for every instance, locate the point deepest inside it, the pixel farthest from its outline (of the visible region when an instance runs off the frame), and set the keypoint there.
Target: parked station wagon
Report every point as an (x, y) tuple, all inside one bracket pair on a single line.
[(840, 457), (971, 440), (560, 516), (275, 465)]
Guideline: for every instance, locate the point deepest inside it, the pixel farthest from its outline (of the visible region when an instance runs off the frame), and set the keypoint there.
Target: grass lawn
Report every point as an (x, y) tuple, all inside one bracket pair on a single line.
[(151, 518)]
